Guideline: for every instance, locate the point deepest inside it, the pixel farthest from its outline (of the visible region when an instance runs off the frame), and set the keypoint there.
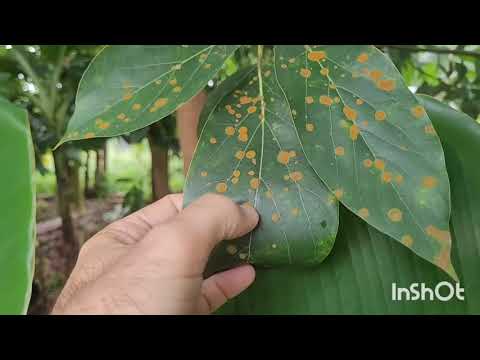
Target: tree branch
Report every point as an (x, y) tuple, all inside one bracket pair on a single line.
[(411, 48), (55, 79)]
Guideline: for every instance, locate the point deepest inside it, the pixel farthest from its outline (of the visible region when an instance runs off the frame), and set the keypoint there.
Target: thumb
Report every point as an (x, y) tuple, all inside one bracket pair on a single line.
[(213, 218), (221, 287)]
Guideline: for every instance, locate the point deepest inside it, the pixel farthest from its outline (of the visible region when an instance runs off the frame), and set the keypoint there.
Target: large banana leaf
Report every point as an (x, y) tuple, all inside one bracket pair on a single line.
[(358, 275), (17, 201)]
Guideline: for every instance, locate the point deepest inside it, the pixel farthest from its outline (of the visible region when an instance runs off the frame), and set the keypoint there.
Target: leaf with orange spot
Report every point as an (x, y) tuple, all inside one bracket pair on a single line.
[(142, 83), (298, 222), (391, 157)]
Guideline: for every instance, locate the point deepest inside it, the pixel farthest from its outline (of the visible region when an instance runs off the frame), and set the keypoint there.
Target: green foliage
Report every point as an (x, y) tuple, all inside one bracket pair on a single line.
[(357, 277), (129, 87), (338, 116), (308, 127), (17, 223)]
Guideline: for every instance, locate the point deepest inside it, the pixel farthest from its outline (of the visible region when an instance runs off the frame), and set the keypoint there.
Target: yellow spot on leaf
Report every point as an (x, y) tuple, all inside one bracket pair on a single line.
[(379, 164), (235, 180), (296, 176), (89, 135), (250, 154), (283, 157), (177, 89), (240, 154), (229, 130), (350, 113), (359, 102), (324, 71), (339, 151), (121, 116), (362, 58), (295, 211), (231, 249), (252, 109), (306, 73), (236, 173), (275, 217), (213, 140), (254, 183), (245, 100), (173, 82), (221, 187), (367, 163), (136, 107), (386, 85), (380, 115), (309, 100), (316, 55), (418, 111), (204, 173), (399, 179), (309, 127), (442, 236), (363, 213), (251, 173), (354, 131), (286, 177), (407, 240), (429, 130), (338, 194), (387, 176), (326, 100), (376, 75), (268, 194), (429, 182), (395, 215)]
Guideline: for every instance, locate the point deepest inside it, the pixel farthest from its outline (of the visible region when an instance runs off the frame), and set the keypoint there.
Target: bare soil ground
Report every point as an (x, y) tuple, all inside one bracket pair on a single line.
[(50, 267)]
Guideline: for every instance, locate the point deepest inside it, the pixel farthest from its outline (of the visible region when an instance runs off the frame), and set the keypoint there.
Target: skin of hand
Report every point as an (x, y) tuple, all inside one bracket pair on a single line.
[(151, 262)]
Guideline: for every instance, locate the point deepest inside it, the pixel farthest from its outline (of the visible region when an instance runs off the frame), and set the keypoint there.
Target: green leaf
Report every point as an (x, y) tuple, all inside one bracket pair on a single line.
[(249, 150), (371, 142), (357, 277), (17, 198), (126, 88)]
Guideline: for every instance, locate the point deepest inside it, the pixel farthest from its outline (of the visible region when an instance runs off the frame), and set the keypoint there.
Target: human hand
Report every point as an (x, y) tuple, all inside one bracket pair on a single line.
[(152, 262)]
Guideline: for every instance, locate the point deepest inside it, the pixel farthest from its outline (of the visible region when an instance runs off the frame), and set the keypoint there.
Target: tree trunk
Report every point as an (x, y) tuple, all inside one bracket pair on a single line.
[(100, 172), (65, 193), (86, 188), (188, 116), (159, 156), (78, 198)]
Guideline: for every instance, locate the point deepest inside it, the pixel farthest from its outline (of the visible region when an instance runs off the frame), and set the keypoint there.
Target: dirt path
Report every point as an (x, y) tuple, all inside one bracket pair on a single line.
[(49, 269)]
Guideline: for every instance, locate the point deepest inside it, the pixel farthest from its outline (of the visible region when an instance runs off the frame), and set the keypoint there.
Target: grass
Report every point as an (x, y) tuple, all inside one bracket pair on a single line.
[(126, 165)]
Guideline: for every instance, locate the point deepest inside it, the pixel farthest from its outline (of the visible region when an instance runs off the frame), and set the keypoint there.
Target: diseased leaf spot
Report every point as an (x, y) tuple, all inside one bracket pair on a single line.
[(295, 211), (268, 194), (362, 58), (376, 75), (230, 130), (254, 183), (235, 180), (354, 131), (159, 103), (399, 179), (240, 154), (252, 109), (309, 100), (367, 163), (324, 71), (380, 115), (283, 157), (339, 151), (221, 187), (136, 107), (326, 100), (418, 111), (242, 256), (275, 217), (250, 154), (173, 82), (243, 134), (350, 113), (245, 100), (363, 213), (89, 135), (177, 89), (430, 130), (306, 73), (231, 249), (121, 116), (440, 235), (338, 193), (359, 102), (379, 164), (251, 173), (296, 176), (395, 215), (386, 85), (236, 173), (316, 55), (309, 127), (337, 99), (204, 174), (407, 240), (429, 182), (213, 140), (387, 176)]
